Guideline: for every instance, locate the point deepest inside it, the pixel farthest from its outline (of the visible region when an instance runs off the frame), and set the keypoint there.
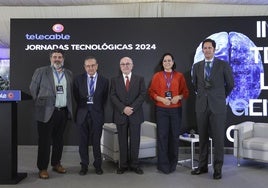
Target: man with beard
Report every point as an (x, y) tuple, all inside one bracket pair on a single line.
[(51, 89)]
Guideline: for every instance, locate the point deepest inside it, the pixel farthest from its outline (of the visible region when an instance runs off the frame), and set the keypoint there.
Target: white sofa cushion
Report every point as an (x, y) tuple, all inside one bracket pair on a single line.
[(110, 127), (109, 141), (260, 130), (147, 142), (256, 143)]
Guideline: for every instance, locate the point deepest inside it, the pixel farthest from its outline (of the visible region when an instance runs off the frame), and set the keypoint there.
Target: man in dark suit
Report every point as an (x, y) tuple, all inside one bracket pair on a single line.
[(127, 95), (213, 81), (51, 89), (90, 93)]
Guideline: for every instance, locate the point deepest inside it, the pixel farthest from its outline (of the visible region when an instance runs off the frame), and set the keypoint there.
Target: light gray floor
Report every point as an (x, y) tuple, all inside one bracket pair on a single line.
[(250, 174)]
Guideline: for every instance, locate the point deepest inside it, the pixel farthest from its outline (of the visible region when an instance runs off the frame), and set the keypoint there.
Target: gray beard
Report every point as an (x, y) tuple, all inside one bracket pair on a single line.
[(58, 66)]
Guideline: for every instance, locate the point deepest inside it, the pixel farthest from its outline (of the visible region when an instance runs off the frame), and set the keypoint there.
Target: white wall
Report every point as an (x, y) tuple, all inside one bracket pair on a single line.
[(156, 9)]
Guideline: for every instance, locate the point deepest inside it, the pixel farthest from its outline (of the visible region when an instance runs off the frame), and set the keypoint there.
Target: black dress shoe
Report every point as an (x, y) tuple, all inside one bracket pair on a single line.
[(217, 174), (99, 171), (165, 171), (83, 170), (121, 170), (137, 170), (198, 171)]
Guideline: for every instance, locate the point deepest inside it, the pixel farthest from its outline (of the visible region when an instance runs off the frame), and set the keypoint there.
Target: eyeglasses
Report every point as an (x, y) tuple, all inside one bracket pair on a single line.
[(125, 64)]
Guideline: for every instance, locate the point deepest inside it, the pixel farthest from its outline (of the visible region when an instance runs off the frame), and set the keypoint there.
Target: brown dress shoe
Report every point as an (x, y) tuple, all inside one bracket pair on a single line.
[(43, 174), (58, 168)]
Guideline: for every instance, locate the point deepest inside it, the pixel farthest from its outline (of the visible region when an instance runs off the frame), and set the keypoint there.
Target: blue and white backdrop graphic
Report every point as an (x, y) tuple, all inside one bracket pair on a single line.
[(241, 41)]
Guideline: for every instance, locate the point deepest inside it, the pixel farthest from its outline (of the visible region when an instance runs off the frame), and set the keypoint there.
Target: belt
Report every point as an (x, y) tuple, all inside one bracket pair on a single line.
[(60, 108)]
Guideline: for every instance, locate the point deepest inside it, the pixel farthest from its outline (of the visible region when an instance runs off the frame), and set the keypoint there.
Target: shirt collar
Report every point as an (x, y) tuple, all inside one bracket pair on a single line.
[(129, 75), (211, 60), (54, 70), (93, 75)]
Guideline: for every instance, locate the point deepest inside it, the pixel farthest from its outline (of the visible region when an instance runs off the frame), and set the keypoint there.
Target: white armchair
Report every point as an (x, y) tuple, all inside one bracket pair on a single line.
[(109, 141), (251, 141)]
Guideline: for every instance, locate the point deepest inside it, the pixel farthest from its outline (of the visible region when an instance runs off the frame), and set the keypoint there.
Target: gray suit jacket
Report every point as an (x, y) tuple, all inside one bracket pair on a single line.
[(43, 91), (134, 98), (222, 84)]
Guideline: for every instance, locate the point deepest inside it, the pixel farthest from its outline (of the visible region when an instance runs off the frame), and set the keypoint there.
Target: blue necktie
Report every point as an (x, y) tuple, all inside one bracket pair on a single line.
[(91, 85), (207, 69)]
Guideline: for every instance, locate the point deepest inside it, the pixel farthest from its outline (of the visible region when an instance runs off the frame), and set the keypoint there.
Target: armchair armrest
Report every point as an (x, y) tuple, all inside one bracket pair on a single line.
[(110, 127), (245, 130), (241, 131), (148, 129)]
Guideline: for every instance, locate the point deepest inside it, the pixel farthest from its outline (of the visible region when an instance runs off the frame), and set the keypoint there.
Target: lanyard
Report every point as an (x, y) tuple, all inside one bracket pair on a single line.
[(59, 76), (168, 80)]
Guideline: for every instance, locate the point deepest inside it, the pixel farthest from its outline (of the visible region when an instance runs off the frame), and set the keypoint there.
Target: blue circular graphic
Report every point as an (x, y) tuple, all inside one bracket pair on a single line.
[(235, 48)]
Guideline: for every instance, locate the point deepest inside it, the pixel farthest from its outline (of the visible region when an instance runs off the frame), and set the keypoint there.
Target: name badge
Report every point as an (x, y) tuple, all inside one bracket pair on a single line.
[(90, 100), (168, 95), (59, 89)]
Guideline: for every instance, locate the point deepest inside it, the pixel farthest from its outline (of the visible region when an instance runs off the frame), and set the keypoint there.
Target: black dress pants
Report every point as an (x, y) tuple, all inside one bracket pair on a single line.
[(90, 134), (51, 131), (211, 124), (168, 129), (129, 144)]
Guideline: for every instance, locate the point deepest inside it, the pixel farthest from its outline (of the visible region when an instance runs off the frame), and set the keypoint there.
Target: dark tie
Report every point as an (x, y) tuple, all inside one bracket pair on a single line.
[(127, 83), (91, 85), (207, 69)]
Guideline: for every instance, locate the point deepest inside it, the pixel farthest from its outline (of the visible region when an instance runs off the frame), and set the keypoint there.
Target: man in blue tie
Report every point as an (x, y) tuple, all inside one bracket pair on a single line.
[(213, 81), (90, 93)]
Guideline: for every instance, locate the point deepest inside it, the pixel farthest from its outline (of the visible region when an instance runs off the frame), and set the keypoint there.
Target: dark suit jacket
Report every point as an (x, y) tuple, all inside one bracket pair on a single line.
[(221, 77), (43, 91), (134, 98), (80, 92)]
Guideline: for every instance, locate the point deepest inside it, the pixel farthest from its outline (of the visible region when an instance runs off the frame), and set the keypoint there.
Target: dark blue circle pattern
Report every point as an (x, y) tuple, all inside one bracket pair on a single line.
[(235, 48)]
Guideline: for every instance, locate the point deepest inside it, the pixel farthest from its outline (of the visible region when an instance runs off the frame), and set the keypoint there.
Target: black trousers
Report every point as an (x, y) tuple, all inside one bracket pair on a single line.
[(129, 144), (51, 131), (90, 134), (168, 130), (211, 125)]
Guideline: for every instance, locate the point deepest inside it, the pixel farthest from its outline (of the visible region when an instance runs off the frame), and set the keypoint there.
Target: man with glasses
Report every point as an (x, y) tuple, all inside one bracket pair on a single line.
[(90, 93), (127, 95)]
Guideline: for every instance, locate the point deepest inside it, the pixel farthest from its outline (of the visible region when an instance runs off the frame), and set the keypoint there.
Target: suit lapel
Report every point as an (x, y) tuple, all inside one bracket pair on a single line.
[(202, 67), (84, 84), (122, 83), (214, 68), (98, 84), (51, 78), (132, 82), (68, 78)]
